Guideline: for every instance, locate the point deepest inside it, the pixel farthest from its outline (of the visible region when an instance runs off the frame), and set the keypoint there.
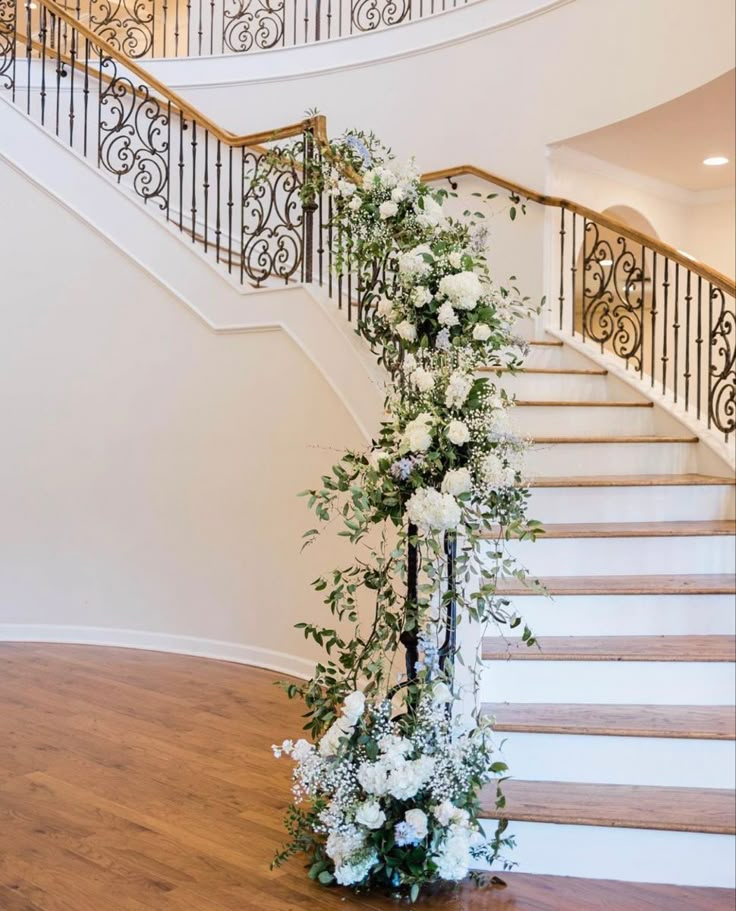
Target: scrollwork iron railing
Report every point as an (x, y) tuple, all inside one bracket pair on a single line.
[(196, 28)]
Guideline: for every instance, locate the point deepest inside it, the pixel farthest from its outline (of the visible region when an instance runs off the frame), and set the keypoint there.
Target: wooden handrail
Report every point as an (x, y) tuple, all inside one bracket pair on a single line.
[(718, 279)]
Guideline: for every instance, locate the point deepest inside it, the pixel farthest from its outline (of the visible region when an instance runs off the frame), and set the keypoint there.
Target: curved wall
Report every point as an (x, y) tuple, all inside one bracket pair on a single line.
[(492, 96)]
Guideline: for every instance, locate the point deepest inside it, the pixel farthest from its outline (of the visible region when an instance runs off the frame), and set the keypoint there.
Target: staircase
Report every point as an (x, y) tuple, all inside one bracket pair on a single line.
[(619, 729)]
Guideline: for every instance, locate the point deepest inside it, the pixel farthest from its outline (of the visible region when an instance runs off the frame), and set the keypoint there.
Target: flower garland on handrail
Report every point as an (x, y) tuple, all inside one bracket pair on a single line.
[(387, 792)]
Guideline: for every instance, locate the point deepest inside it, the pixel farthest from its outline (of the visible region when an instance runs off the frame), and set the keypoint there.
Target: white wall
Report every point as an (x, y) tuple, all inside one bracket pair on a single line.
[(149, 466), (712, 234)]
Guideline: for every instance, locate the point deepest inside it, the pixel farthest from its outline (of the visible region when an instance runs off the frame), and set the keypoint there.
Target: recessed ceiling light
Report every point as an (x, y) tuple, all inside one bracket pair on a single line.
[(715, 160)]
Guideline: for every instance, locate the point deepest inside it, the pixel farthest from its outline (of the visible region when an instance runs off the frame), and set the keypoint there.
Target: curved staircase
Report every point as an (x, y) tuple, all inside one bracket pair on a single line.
[(619, 728)]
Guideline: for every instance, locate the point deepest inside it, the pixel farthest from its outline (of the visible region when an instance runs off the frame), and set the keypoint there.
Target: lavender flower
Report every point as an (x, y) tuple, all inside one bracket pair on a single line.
[(360, 148)]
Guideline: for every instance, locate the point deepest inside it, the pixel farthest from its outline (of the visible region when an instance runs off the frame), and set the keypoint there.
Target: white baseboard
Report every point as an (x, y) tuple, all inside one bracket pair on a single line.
[(236, 652)]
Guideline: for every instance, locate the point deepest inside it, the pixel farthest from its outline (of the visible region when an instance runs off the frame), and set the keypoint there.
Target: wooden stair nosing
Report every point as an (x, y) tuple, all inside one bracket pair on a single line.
[(530, 403), (691, 649), (692, 584), (685, 722), (563, 371), (669, 438), (675, 529), (704, 810), (643, 480)]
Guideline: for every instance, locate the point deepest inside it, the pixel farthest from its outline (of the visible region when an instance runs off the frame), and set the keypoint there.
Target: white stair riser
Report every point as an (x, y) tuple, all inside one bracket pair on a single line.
[(564, 420), (636, 855), (555, 357), (628, 615), (625, 556), (574, 387), (632, 504), (619, 760), (606, 682), (566, 459)]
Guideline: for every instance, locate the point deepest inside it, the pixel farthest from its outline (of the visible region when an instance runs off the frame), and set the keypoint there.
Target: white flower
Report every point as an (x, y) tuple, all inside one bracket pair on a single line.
[(388, 209), (481, 332), (350, 874), (421, 296), (453, 858), (407, 331), (346, 188), (441, 692), (463, 290), (330, 742), (431, 214), (355, 203), (302, 749), (370, 815), (446, 315), (501, 424), (391, 745), (412, 264), (405, 780), (354, 706), (444, 812), (457, 481), (398, 193), (417, 436), (428, 508), (455, 259), (495, 473), (458, 432), (422, 379), (458, 389), (385, 307), (340, 845), (409, 364), (417, 819), (373, 778)]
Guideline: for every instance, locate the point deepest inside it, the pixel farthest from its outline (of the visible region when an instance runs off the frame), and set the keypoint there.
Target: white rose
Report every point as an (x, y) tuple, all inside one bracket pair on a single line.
[(355, 203), (330, 742), (417, 819), (481, 332), (441, 692), (417, 436), (447, 814), (385, 307), (354, 706), (463, 289), (446, 315), (346, 188), (457, 481), (421, 296), (422, 379), (458, 433), (456, 259), (388, 209), (398, 193), (407, 331), (370, 815)]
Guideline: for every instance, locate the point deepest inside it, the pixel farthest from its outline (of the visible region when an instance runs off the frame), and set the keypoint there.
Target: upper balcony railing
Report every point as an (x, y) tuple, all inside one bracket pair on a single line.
[(196, 28), (242, 200)]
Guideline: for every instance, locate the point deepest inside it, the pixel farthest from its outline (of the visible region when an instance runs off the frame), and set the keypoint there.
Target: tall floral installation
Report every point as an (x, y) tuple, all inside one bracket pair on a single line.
[(387, 791)]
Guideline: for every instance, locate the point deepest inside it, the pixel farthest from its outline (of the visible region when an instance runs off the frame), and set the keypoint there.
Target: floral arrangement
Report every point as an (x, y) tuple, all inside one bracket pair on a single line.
[(387, 794)]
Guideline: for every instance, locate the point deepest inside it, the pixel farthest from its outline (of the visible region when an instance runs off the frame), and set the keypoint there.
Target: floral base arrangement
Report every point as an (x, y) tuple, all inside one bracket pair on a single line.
[(387, 789)]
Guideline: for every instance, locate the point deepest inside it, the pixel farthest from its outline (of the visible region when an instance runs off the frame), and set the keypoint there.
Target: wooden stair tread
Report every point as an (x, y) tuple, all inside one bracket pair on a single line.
[(629, 806), (544, 343), (671, 438), (585, 404), (572, 371), (689, 528), (696, 584), (691, 722), (715, 648), (634, 480), (536, 892)]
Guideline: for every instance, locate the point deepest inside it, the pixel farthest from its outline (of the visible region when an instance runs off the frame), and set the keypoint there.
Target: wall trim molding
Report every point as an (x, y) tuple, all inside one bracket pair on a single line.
[(583, 161), (110, 637)]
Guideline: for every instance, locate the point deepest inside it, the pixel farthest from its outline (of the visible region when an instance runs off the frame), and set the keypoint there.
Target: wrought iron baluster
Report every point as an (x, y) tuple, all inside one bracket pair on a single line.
[(212, 26), (573, 268), (218, 184), (642, 322), (230, 204), (165, 23), (60, 72), (206, 187), (242, 213), (194, 180), (8, 45), (43, 34), (665, 324), (562, 269), (699, 352), (182, 130), (676, 331), (721, 363), (688, 302), (72, 68), (29, 50), (200, 30), (654, 317)]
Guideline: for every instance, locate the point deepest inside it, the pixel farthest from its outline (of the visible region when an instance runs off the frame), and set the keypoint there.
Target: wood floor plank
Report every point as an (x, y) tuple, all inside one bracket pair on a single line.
[(140, 781), (613, 648), (629, 480), (694, 584), (707, 810), (691, 722)]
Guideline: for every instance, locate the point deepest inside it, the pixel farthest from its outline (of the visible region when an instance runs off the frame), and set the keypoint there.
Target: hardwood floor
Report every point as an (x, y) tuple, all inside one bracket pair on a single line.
[(139, 781)]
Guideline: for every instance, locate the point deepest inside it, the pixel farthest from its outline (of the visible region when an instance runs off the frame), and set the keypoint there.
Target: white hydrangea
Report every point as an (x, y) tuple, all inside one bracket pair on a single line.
[(398, 194), (421, 296), (430, 509), (446, 315), (385, 307), (412, 264), (417, 819), (495, 473), (373, 778), (346, 188), (341, 844), (417, 436), (463, 289), (388, 209), (447, 814), (455, 259), (355, 203), (501, 424), (458, 432), (453, 859), (422, 379), (407, 331), (370, 815), (457, 481), (354, 706), (392, 746), (481, 332), (409, 363), (431, 215), (408, 778), (458, 389), (350, 874)]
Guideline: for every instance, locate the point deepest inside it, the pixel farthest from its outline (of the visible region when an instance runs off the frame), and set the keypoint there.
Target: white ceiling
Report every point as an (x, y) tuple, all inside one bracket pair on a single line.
[(670, 141)]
